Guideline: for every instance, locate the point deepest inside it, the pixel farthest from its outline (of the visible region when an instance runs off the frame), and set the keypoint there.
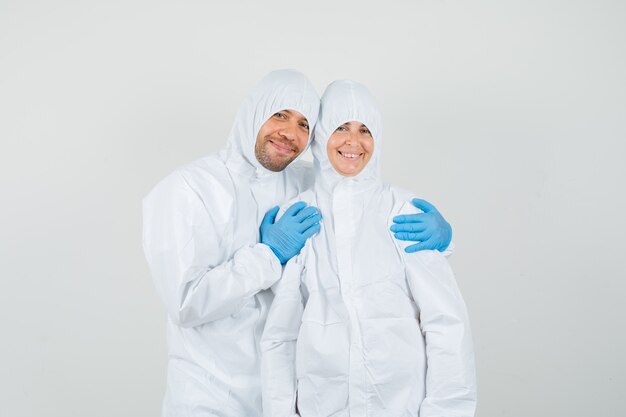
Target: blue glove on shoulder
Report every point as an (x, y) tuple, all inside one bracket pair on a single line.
[(287, 236), (429, 228)]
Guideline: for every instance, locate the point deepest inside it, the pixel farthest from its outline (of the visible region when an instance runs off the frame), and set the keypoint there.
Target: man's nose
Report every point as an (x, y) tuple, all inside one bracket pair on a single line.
[(288, 132)]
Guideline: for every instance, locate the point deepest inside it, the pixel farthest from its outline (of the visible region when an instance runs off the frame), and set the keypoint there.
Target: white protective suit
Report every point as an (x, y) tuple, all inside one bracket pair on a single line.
[(201, 234), (358, 327)]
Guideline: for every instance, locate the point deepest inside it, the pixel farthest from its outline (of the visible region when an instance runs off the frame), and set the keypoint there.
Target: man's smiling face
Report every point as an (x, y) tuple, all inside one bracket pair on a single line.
[(281, 139)]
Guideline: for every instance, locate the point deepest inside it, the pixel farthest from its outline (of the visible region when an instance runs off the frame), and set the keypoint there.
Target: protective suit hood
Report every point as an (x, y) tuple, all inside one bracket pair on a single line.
[(279, 90), (345, 101)]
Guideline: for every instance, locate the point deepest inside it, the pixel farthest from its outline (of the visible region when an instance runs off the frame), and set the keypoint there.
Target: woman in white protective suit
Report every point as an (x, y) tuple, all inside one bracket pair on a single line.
[(358, 327)]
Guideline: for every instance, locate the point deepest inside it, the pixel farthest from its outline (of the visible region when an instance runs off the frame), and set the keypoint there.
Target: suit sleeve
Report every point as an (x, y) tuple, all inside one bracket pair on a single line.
[(181, 244), (450, 377), (278, 344)]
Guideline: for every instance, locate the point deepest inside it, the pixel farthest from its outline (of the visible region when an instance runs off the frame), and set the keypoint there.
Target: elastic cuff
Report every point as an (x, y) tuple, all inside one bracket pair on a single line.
[(449, 250), (272, 273)]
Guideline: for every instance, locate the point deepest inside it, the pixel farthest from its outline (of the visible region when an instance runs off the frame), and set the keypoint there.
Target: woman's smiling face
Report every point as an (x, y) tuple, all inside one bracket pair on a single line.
[(350, 148)]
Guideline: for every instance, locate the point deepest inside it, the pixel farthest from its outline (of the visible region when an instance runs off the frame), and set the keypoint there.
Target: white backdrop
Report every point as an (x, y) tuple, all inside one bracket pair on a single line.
[(508, 115)]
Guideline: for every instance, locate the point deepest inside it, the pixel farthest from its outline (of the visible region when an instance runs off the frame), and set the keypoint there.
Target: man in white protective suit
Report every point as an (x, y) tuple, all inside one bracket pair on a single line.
[(214, 247)]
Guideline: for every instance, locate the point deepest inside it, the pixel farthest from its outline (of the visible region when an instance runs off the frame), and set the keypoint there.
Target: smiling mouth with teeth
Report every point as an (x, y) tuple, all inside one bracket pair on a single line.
[(351, 156)]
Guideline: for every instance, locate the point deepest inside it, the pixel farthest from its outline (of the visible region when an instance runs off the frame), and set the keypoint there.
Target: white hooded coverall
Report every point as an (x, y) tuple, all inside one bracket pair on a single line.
[(200, 237), (358, 327)]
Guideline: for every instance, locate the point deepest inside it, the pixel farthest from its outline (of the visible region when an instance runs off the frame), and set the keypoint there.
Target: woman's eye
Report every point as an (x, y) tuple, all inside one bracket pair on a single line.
[(366, 132), (280, 115), (340, 129), (304, 125)]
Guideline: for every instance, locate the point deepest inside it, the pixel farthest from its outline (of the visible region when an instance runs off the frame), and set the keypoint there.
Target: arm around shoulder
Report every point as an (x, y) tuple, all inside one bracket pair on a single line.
[(420, 226)]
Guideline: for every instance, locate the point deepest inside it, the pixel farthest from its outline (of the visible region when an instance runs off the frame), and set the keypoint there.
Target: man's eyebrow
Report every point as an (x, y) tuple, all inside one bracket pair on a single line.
[(290, 113)]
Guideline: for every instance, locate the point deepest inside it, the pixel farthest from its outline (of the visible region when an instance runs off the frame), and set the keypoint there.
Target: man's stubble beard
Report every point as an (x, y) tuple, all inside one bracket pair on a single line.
[(265, 158)]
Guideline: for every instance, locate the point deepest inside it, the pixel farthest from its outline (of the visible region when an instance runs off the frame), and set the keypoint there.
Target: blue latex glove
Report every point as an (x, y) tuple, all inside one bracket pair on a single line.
[(429, 228), (289, 234)]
